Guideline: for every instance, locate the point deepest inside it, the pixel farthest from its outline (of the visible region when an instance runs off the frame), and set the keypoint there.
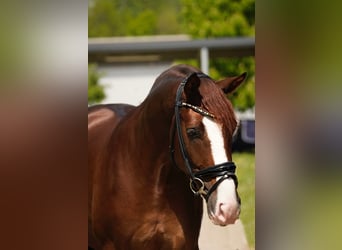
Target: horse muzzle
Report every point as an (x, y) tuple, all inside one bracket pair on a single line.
[(223, 205)]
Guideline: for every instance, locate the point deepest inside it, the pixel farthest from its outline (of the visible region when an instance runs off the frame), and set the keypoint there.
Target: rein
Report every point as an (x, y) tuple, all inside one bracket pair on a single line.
[(224, 170)]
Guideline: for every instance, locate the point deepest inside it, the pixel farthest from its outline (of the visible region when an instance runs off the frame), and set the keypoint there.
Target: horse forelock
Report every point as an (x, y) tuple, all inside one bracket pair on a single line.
[(214, 100)]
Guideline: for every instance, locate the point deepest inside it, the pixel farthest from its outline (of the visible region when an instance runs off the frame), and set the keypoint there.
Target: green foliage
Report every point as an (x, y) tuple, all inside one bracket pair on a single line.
[(143, 23), (168, 19), (103, 18), (132, 18), (95, 90), (208, 19)]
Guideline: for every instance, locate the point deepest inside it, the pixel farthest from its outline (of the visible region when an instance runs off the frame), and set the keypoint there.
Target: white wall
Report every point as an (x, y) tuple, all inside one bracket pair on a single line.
[(129, 83)]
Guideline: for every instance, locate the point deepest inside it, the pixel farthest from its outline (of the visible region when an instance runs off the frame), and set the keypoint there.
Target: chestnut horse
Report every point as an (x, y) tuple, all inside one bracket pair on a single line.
[(142, 158)]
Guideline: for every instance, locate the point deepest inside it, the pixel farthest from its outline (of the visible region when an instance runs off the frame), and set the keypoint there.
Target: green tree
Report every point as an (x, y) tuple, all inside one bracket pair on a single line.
[(95, 90), (133, 17), (103, 18), (228, 18)]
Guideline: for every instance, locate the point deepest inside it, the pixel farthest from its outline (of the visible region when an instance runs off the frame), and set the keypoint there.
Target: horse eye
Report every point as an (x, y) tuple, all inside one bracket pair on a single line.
[(193, 133)]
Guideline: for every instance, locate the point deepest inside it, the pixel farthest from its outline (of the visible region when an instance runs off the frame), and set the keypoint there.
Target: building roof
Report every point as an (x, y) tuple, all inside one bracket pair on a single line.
[(158, 48)]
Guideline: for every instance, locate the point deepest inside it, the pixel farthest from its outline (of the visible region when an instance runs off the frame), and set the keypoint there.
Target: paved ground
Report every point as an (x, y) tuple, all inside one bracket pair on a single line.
[(214, 237)]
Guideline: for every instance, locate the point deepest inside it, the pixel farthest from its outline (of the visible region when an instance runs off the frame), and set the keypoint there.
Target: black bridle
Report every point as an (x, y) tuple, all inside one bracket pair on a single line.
[(224, 170)]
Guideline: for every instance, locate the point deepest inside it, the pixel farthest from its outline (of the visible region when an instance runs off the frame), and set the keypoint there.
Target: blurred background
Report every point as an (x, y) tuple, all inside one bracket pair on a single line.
[(148, 36), (131, 42)]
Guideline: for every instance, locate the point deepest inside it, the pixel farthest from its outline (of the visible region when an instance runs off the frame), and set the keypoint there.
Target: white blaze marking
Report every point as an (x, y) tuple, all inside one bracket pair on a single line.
[(226, 190), (215, 136)]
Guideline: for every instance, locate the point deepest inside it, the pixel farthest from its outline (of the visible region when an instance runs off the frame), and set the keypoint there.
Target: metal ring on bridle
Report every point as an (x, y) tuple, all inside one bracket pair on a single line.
[(194, 187)]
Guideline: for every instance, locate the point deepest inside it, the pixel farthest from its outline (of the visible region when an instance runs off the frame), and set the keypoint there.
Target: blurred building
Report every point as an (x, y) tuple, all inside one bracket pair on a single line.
[(131, 64)]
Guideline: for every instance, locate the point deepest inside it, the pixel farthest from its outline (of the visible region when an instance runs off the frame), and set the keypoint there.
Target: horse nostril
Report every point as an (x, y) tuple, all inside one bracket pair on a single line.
[(228, 210), (223, 207)]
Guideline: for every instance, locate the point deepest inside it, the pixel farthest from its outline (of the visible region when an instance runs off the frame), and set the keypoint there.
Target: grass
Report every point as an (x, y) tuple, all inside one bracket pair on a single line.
[(245, 163)]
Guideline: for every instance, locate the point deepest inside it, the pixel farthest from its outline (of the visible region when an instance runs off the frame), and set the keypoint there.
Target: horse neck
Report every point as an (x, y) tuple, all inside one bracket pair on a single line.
[(145, 151), (154, 129)]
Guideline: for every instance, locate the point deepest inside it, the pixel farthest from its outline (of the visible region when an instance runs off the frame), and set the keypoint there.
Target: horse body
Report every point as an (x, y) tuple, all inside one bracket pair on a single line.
[(138, 199), (132, 207)]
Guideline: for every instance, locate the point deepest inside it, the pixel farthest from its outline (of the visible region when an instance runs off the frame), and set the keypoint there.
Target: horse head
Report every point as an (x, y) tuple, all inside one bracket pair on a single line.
[(201, 142)]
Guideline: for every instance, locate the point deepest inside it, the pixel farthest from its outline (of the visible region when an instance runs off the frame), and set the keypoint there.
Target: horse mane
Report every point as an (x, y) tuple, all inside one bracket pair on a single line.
[(173, 74)]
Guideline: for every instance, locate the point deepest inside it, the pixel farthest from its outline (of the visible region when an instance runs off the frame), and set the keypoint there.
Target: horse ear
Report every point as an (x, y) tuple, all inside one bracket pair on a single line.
[(191, 90), (229, 84)]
